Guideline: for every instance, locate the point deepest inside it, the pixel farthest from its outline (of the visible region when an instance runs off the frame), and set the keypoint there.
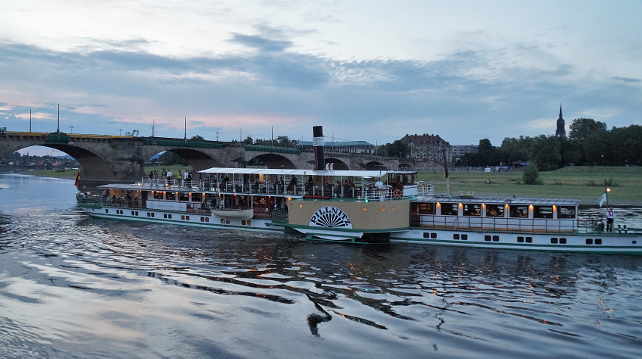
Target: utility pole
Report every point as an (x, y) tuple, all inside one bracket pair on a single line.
[(30, 120), (153, 124), (71, 130), (58, 129)]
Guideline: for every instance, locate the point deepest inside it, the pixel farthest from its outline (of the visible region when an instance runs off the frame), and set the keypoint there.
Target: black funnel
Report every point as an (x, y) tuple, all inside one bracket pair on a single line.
[(317, 142)]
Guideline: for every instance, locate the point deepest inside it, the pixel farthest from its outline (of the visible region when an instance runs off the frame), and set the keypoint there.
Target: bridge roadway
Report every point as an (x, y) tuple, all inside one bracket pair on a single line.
[(120, 159)]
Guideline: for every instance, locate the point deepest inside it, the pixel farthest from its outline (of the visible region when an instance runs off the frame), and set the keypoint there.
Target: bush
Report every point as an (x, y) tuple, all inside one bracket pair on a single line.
[(531, 175)]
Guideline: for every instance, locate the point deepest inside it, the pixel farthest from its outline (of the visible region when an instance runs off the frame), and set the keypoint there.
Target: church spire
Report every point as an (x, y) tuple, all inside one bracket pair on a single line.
[(561, 131), (560, 110)]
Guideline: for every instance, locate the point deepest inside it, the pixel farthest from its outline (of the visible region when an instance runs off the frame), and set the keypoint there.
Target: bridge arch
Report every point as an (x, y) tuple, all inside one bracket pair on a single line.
[(374, 165), (272, 160), (198, 160), (93, 166)]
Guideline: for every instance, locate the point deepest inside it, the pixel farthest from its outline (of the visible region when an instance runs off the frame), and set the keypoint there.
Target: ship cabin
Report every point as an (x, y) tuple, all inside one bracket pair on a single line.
[(488, 213)]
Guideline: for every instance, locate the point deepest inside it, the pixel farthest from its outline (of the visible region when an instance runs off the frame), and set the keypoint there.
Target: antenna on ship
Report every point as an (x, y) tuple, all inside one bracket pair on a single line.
[(446, 174)]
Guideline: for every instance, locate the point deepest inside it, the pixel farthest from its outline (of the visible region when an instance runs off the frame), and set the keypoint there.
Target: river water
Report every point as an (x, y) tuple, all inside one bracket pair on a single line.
[(76, 287)]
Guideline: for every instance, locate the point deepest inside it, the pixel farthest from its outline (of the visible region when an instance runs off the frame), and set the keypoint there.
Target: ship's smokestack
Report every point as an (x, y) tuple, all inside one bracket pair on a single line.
[(317, 142)]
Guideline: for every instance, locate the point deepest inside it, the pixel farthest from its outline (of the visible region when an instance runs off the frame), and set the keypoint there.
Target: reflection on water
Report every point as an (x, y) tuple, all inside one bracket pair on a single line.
[(73, 286)]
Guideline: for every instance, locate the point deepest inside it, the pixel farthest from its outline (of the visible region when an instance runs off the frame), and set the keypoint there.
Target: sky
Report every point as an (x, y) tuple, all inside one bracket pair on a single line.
[(364, 70)]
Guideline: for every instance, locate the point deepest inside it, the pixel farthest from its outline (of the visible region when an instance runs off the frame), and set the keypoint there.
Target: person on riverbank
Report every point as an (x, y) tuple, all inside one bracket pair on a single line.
[(609, 219)]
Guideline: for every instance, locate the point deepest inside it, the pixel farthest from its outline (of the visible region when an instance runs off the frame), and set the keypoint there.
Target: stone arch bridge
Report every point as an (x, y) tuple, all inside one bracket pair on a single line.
[(114, 159)]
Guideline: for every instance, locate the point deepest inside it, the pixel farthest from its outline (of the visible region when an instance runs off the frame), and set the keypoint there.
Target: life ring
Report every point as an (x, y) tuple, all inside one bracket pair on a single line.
[(397, 194)]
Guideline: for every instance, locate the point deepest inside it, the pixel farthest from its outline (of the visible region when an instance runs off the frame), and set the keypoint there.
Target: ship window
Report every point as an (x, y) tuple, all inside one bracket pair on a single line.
[(598, 240), (183, 196), (132, 213), (520, 239), (158, 195), (495, 238), (519, 211), (170, 196), (433, 235), (243, 222), (562, 240), (202, 219), (169, 216), (207, 219), (464, 237), (426, 235), (227, 221), (426, 208), (106, 210), (455, 236), (197, 197), (554, 240), (165, 215), (543, 212), (529, 239), (249, 222), (472, 209), (183, 217), (147, 214), (487, 238), (449, 209), (566, 212), (222, 221), (589, 241), (494, 210), (187, 218)]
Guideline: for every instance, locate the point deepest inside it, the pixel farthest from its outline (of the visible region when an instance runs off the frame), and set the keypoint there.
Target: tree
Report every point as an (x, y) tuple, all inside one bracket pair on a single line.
[(545, 153), (486, 153), (530, 174), (197, 138), (581, 128), (398, 148), (248, 140)]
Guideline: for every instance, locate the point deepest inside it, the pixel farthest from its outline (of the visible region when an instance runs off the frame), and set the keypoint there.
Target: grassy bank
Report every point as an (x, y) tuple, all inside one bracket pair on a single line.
[(585, 183)]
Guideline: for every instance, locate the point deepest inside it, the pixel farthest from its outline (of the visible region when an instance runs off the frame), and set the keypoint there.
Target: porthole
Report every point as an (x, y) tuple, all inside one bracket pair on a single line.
[(562, 240), (455, 236), (426, 235), (529, 239), (589, 241), (495, 238), (433, 235), (553, 240), (598, 240), (520, 239), (464, 237), (487, 238)]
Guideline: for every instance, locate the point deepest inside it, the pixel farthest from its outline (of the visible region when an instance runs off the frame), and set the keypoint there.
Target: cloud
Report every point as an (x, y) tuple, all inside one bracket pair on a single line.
[(260, 43), (626, 79)]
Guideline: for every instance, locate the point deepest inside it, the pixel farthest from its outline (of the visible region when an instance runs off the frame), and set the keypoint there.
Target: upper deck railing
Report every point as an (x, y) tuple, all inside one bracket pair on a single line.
[(346, 190)]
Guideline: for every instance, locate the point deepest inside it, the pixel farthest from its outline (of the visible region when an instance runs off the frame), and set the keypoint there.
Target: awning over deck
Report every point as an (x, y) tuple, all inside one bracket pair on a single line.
[(300, 172)]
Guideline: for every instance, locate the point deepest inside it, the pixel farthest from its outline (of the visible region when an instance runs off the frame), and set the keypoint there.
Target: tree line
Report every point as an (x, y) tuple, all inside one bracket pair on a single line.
[(589, 143)]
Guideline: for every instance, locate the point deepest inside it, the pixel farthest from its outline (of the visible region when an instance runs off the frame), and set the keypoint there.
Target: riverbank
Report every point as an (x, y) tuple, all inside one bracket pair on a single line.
[(584, 183)]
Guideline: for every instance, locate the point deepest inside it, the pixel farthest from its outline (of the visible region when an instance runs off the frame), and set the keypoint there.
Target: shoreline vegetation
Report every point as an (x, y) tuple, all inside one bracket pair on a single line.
[(579, 182)]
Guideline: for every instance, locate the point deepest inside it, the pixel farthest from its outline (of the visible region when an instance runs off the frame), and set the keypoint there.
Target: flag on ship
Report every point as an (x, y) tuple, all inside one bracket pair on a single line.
[(77, 180), (602, 200)]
